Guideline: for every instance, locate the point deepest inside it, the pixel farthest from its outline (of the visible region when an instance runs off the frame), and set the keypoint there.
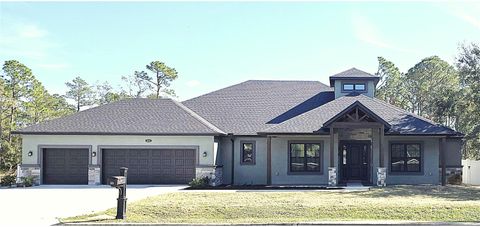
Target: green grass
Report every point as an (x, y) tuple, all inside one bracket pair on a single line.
[(405, 203)]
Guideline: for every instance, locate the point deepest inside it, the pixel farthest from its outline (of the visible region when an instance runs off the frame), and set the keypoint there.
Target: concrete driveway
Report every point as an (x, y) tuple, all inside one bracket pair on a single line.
[(42, 205)]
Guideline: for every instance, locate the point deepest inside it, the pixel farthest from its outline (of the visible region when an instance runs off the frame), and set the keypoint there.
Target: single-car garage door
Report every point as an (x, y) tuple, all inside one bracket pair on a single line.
[(65, 166), (150, 166)]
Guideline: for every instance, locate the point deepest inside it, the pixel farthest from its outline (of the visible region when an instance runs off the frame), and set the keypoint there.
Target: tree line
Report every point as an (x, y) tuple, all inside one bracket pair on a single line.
[(25, 101), (433, 88), (448, 94)]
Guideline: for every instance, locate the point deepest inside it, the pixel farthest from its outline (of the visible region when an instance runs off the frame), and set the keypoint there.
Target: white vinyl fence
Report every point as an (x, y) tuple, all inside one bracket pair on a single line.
[(471, 172)]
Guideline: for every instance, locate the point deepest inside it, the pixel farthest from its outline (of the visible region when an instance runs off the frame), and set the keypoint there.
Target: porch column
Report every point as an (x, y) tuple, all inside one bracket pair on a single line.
[(269, 160), (381, 170), (332, 171), (442, 143)]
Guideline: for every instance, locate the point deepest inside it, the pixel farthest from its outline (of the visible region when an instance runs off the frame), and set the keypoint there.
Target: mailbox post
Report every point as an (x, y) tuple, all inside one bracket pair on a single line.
[(120, 182)]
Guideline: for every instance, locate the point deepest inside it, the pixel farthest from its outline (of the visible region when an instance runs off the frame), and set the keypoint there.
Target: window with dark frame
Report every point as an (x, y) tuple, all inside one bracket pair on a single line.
[(348, 87), (405, 157), (354, 87), (359, 87), (248, 153), (305, 157)]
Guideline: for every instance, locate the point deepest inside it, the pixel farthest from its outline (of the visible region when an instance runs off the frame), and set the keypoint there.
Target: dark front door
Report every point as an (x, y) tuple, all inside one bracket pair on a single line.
[(355, 161), (150, 166)]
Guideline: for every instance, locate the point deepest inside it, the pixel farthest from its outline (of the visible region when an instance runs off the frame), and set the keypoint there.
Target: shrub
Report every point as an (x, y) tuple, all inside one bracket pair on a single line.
[(8, 180), (202, 182), (455, 179), (28, 181)]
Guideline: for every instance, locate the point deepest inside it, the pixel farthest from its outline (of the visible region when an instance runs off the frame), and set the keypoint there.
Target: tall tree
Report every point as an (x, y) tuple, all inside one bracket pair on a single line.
[(468, 64), (433, 86), (80, 92), (136, 86), (163, 75), (16, 84), (106, 94), (18, 81), (390, 87)]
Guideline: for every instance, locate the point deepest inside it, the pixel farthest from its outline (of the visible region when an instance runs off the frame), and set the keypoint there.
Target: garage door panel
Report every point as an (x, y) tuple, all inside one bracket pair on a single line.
[(65, 166), (151, 166)]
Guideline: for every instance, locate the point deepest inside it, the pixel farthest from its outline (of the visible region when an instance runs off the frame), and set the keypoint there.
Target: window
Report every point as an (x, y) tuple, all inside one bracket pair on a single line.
[(348, 87), (359, 87), (405, 157), (304, 157), (247, 152), (354, 87)]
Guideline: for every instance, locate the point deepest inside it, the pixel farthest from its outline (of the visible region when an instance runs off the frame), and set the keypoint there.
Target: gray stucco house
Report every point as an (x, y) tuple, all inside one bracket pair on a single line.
[(257, 132)]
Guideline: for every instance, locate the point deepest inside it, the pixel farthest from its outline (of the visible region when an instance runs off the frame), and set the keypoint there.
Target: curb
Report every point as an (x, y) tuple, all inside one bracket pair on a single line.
[(346, 223)]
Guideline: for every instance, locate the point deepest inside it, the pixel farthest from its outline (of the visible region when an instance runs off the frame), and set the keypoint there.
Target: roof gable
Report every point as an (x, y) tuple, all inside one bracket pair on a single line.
[(359, 106)]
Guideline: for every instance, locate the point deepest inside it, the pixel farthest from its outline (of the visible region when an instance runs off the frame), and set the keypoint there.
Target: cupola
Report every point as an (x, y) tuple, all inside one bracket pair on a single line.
[(354, 81)]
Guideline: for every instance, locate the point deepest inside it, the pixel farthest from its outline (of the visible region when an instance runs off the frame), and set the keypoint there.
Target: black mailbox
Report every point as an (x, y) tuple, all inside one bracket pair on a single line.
[(120, 182), (117, 181)]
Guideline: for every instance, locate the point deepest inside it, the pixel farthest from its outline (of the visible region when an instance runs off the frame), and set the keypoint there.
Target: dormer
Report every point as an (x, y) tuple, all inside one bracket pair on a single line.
[(354, 81)]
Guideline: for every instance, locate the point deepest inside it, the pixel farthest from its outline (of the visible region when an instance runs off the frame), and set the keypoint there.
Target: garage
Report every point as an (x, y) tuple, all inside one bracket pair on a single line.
[(150, 166), (65, 166)]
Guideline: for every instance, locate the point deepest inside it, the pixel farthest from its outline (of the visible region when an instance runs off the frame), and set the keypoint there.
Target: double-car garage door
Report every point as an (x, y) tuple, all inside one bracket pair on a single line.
[(150, 166), (145, 166)]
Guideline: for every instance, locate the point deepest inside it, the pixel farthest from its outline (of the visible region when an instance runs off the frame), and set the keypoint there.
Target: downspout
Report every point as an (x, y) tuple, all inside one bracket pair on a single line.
[(233, 158)]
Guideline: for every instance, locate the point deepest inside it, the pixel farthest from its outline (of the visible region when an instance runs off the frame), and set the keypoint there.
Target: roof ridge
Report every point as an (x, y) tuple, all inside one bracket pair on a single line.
[(286, 80), (221, 89), (198, 117)]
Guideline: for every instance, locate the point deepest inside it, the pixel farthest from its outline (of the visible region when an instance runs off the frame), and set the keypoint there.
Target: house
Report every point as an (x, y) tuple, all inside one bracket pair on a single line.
[(258, 132)]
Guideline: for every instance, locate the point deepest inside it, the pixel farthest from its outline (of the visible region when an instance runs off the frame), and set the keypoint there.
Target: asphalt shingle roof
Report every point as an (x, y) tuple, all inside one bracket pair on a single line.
[(245, 108), (353, 73), (401, 121), (129, 117)]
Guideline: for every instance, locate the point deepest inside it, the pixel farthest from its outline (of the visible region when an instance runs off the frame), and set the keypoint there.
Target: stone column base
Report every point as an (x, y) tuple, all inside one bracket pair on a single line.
[(381, 176), (26, 170), (94, 175), (332, 176)]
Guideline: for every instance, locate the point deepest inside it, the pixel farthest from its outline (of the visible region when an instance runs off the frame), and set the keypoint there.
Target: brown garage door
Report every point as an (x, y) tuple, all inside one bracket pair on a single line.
[(150, 166), (65, 166)]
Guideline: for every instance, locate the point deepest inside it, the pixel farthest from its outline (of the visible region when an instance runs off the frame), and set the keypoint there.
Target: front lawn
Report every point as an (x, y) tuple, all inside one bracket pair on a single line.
[(405, 203)]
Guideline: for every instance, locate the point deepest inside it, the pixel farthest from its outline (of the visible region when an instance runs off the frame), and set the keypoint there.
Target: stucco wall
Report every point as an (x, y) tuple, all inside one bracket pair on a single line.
[(369, 92), (32, 143), (251, 174), (280, 152), (430, 161)]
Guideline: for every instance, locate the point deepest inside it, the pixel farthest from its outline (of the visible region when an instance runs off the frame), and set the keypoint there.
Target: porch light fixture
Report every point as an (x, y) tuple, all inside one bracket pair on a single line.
[(204, 154), (30, 153), (94, 154)]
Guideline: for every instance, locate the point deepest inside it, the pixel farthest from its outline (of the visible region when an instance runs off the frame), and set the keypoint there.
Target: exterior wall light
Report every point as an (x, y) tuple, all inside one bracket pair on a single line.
[(94, 154), (148, 140), (30, 153), (204, 154)]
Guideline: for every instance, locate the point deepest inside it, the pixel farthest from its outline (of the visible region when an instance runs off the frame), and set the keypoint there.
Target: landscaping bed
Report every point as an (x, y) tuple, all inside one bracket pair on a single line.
[(263, 187), (401, 203)]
